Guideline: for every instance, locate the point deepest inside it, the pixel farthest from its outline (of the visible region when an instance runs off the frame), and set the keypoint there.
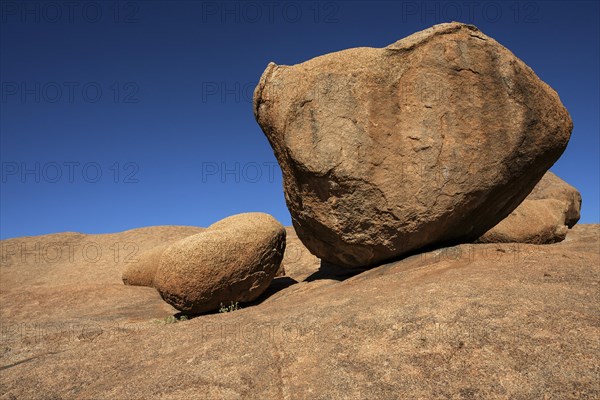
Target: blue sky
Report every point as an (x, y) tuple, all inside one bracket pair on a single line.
[(117, 115)]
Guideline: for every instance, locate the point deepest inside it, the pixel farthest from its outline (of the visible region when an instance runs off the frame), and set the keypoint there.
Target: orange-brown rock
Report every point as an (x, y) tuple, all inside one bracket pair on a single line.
[(433, 139), (534, 221), (552, 187), (545, 216), (233, 260), (502, 320), (141, 270)]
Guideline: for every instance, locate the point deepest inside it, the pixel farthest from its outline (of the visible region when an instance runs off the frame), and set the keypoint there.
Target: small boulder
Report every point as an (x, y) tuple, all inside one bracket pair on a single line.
[(233, 260), (552, 187), (142, 271), (534, 221), (544, 217), (298, 261)]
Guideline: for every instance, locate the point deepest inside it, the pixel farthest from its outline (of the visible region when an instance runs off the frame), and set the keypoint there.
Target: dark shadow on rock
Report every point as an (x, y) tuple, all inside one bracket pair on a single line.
[(425, 256), (202, 314), (332, 271), (187, 315), (29, 359), (276, 285), (338, 273)]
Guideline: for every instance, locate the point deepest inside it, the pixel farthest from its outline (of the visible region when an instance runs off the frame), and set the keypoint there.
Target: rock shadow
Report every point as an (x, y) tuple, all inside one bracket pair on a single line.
[(276, 285), (335, 272)]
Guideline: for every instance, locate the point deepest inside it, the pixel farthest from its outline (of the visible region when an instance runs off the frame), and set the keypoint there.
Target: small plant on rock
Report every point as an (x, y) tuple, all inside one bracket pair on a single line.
[(232, 307)]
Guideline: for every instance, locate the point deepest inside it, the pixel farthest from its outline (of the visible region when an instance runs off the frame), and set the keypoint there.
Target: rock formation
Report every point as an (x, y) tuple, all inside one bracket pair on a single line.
[(142, 271), (552, 187), (545, 216), (472, 321), (233, 260), (431, 140)]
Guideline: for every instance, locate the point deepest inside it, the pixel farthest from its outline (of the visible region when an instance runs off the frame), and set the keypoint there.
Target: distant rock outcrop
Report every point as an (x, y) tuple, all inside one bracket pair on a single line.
[(534, 221), (433, 139), (233, 260), (545, 216), (552, 187)]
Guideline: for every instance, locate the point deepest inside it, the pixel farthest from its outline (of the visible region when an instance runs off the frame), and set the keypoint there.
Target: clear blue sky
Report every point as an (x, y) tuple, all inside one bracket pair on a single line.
[(117, 115)]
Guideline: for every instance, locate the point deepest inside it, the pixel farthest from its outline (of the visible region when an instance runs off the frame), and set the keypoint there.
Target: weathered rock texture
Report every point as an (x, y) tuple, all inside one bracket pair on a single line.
[(475, 321), (545, 216), (552, 187), (142, 271), (280, 271), (534, 221), (233, 260), (433, 139)]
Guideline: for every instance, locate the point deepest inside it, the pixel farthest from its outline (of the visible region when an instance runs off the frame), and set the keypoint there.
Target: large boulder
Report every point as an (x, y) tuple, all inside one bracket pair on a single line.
[(233, 260), (545, 216), (431, 140)]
